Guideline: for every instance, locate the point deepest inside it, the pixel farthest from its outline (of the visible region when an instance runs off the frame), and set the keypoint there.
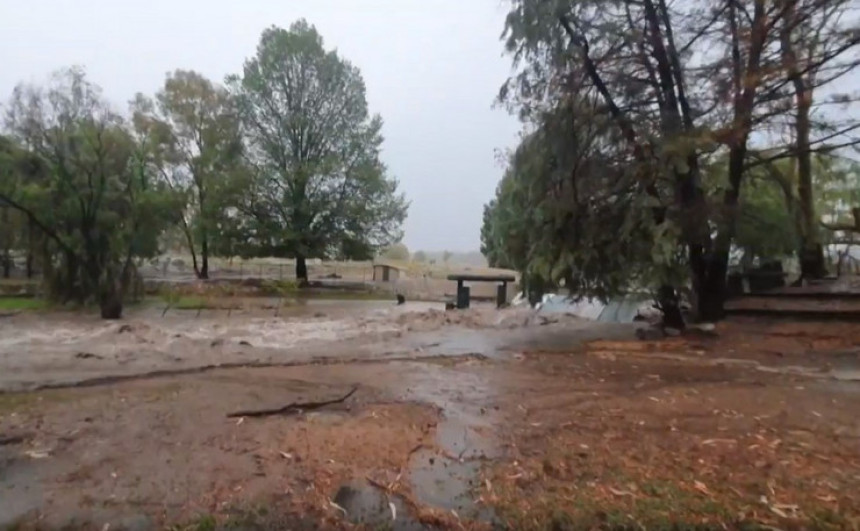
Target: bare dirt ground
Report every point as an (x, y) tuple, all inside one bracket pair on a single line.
[(467, 420)]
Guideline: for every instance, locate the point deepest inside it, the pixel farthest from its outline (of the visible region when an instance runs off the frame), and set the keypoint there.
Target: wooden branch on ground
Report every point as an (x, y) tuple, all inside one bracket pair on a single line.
[(292, 409)]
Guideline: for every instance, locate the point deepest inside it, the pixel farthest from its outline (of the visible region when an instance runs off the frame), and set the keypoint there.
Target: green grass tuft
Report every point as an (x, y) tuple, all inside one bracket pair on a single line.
[(22, 303)]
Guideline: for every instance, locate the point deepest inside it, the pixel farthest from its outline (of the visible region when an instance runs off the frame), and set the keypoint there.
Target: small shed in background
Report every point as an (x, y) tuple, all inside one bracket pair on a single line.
[(387, 272)]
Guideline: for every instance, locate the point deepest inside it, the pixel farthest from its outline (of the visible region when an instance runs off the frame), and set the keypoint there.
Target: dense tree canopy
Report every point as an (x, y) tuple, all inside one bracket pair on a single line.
[(197, 147), (320, 188), (285, 162), (74, 170), (630, 107), (398, 251)]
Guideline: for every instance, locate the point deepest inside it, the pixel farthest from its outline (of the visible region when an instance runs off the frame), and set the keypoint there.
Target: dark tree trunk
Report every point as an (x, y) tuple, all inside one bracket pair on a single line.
[(301, 269), (669, 304), (7, 264), (111, 305), (811, 252), (712, 292), (812, 264), (111, 294), (203, 274), (195, 264), (30, 249), (535, 289)]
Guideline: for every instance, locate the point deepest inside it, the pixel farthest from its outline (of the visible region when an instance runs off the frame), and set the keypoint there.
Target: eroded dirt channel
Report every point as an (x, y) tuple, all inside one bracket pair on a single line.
[(466, 420)]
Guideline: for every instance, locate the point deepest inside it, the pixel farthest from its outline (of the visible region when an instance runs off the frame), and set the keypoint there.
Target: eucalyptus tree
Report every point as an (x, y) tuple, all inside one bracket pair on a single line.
[(78, 175), (681, 83), (320, 188), (198, 154)]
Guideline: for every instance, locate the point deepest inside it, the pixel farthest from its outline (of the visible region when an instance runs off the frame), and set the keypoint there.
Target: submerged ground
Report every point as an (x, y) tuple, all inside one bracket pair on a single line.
[(458, 420)]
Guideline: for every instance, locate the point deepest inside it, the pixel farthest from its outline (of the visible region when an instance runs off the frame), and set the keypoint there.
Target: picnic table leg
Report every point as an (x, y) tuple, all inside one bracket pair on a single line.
[(462, 296), (502, 295)]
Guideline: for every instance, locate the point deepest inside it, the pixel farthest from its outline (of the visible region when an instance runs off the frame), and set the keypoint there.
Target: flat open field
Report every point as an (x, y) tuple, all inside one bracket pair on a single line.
[(364, 414)]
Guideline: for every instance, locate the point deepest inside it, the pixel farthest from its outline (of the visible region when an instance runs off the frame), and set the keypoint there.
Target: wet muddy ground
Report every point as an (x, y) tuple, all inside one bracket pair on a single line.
[(460, 420)]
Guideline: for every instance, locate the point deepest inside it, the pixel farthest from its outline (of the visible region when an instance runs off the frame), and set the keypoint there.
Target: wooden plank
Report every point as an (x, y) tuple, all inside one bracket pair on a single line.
[(482, 278)]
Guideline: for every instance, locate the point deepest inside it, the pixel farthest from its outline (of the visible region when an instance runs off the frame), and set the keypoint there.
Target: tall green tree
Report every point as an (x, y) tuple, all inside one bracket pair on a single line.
[(398, 251), (817, 46), (79, 176), (197, 126), (11, 231), (320, 187), (678, 82)]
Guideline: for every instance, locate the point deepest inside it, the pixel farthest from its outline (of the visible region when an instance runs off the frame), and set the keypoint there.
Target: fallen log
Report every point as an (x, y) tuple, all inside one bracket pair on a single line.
[(292, 409), (10, 440)]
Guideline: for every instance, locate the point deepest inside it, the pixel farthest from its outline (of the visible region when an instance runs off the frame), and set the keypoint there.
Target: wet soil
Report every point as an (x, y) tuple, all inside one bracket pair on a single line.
[(489, 420)]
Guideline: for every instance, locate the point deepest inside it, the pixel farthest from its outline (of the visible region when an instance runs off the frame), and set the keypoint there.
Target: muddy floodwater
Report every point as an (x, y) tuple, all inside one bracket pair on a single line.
[(57, 349), (333, 414)]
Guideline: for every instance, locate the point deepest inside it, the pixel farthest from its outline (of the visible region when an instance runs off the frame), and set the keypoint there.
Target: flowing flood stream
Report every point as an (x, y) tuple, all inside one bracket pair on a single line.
[(398, 350), (454, 362)]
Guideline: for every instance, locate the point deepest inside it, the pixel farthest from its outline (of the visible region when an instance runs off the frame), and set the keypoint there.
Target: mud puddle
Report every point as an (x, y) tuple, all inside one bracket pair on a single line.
[(365, 504), (20, 492)]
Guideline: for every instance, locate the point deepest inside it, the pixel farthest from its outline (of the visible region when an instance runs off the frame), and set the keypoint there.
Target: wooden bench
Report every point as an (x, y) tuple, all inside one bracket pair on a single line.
[(464, 293)]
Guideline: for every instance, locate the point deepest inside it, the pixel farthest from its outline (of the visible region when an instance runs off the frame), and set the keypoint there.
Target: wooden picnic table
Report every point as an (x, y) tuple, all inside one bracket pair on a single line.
[(464, 293)]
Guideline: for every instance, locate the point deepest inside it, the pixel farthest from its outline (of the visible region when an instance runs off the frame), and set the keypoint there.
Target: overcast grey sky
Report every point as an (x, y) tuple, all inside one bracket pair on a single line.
[(432, 69)]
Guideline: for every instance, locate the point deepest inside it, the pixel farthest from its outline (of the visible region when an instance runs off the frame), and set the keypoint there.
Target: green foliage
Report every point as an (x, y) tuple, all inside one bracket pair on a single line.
[(280, 288), (320, 188), (22, 303), (193, 129), (766, 223), (83, 182), (398, 251), (419, 257), (624, 103), (567, 213)]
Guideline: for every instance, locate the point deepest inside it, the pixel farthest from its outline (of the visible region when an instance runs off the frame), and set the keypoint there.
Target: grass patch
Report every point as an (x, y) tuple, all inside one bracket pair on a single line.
[(192, 303), (14, 401), (22, 304)]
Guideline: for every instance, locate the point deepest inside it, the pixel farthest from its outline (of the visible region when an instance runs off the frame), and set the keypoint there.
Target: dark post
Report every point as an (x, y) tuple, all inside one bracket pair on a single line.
[(463, 295), (502, 295)]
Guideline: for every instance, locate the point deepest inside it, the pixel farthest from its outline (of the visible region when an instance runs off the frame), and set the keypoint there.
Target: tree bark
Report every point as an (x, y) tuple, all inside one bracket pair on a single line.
[(669, 305), (811, 252), (7, 263), (29, 249), (301, 269), (110, 296), (204, 257), (711, 287), (111, 305), (6, 257)]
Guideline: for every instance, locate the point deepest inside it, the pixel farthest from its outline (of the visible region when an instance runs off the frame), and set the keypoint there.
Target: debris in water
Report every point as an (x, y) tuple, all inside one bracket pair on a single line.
[(36, 454), (338, 507), (13, 439), (88, 355)]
